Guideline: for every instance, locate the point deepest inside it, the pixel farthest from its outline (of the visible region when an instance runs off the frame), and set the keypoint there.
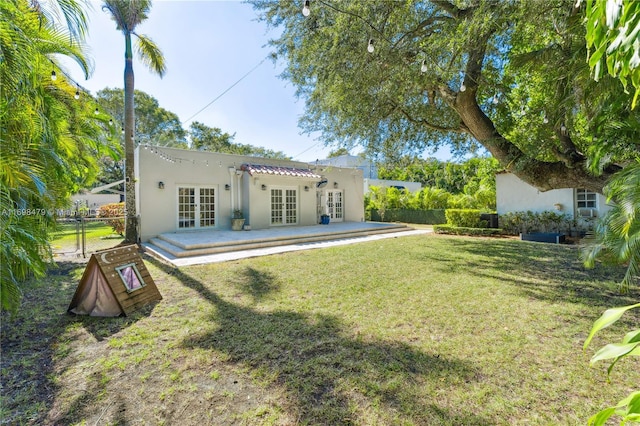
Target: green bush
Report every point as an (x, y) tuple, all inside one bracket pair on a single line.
[(425, 217), (115, 210), (466, 218), (515, 223), (459, 230)]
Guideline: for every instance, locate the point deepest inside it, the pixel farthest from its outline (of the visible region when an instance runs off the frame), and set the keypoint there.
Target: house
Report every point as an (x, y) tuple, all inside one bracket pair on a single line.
[(369, 172), (513, 194), (181, 190)]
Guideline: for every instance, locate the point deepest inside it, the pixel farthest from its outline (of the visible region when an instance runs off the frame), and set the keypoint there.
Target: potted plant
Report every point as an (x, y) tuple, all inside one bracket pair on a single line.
[(237, 220), (324, 219)]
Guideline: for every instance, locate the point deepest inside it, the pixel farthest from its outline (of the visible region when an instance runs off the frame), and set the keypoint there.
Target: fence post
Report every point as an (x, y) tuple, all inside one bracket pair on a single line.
[(84, 238)]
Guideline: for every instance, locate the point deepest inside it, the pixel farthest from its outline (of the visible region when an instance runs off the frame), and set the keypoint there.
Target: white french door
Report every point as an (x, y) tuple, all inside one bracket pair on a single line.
[(196, 207), (284, 206), (335, 206)]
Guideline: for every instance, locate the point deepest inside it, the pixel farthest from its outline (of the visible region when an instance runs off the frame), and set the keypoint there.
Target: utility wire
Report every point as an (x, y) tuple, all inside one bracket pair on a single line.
[(227, 89)]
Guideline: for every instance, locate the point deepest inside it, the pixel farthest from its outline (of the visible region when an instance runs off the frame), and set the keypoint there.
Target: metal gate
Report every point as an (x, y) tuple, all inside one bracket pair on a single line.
[(81, 236)]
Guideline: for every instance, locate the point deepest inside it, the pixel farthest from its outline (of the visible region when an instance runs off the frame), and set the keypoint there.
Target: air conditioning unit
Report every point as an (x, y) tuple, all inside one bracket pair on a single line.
[(587, 212)]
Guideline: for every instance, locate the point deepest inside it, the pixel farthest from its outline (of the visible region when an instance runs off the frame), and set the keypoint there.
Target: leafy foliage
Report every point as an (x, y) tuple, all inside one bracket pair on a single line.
[(617, 236), (49, 141), (613, 39), (154, 124), (508, 76), (114, 210), (629, 407), (465, 218)]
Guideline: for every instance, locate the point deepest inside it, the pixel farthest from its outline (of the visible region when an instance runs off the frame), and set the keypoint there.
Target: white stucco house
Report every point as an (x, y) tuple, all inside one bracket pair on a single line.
[(182, 190), (515, 195)]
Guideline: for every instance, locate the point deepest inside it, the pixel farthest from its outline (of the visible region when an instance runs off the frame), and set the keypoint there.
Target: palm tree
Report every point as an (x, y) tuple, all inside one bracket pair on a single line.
[(127, 14), (48, 141), (617, 236)]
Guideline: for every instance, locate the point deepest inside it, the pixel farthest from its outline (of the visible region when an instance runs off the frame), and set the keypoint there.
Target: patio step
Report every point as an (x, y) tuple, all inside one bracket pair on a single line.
[(167, 243)]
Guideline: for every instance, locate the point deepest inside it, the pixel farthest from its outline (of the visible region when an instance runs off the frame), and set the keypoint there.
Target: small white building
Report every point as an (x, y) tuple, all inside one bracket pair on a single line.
[(369, 172), (515, 195), (181, 190)]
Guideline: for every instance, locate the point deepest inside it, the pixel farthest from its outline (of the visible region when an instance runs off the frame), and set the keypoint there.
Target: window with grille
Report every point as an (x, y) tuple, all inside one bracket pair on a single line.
[(585, 199)]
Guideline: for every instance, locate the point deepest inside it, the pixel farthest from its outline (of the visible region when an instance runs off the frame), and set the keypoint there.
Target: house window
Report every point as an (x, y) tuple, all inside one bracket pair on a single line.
[(585, 199)]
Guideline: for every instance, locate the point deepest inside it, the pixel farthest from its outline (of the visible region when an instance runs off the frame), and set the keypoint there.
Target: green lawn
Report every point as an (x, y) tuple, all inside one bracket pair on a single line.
[(420, 330), (97, 233)]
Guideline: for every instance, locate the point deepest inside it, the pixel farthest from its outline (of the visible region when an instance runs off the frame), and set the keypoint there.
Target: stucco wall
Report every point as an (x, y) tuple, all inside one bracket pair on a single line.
[(513, 194), (175, 167)]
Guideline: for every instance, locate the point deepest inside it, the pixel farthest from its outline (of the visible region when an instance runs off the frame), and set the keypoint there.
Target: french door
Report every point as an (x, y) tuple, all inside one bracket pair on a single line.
[(284, 206), (196, 207), (335, 206)]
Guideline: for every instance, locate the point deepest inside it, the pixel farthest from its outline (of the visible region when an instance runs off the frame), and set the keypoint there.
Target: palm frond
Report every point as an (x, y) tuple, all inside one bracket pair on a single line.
[(150, 55)]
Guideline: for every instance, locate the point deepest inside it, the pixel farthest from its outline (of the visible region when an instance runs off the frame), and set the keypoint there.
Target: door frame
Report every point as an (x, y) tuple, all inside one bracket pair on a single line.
[(197, 202)]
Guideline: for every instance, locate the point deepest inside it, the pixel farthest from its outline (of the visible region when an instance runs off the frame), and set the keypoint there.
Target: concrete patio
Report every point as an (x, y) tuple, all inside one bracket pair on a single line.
[(209, 246)]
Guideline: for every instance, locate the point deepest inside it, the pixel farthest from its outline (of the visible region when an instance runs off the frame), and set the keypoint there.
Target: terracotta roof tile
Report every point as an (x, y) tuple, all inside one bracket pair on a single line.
[(279, 171)]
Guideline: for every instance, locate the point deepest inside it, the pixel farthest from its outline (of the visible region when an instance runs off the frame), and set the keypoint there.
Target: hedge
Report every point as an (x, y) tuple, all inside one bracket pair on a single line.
[(465, 218), (426, 217), (460, 230)]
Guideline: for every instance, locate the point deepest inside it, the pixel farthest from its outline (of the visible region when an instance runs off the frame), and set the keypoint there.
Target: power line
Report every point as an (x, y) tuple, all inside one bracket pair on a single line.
[(227, 89)]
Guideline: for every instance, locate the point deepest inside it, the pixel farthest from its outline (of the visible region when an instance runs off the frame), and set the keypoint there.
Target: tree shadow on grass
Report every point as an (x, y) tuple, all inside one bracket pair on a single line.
[(37, 348), (329, 376), (541, 271)]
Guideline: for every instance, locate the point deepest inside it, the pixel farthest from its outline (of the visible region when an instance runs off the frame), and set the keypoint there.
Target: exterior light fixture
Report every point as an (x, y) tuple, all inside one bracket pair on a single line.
[(423, 67), (305, 10), (306, 188), (335, 184), (54, 77), (227, 187), (370, 47), (264, 187), (160, 185)]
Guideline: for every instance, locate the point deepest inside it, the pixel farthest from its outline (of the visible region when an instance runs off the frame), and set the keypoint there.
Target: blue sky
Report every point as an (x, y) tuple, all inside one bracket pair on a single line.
[(208, 46)]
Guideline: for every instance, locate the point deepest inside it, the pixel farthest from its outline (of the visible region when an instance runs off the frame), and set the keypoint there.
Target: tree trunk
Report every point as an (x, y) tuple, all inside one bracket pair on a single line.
[(131, 218), (542, 175)]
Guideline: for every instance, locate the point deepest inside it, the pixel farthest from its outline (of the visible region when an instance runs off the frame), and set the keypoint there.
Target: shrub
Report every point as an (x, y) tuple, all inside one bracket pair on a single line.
[(466, 218), (459, 230), (515, 223), (115, 210)]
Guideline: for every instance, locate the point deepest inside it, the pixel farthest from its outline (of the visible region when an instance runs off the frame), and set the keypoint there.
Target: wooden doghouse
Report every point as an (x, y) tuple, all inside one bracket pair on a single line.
[(115, 282)]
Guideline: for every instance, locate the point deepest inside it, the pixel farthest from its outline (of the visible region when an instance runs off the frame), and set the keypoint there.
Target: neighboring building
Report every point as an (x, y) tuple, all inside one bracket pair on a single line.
[(386, 183), (90, 202), (181, 190), (513, 194), (369, 169), (369, 172)]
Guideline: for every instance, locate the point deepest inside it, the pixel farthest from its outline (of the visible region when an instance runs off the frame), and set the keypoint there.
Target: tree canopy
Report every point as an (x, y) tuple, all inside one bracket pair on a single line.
[(410, 77), (154, 124)]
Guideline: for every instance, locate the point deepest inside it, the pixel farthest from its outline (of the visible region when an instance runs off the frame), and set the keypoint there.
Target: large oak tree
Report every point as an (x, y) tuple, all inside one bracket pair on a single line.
[(412, 76)]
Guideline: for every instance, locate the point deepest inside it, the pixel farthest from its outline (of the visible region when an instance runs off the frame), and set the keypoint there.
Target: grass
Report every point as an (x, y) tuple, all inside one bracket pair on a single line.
[(97, 235), (412, 331)]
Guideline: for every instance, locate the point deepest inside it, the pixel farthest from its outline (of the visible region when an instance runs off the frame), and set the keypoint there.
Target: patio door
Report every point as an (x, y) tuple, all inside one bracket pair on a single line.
[(284, 206), (335, 206), (196, 207)]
